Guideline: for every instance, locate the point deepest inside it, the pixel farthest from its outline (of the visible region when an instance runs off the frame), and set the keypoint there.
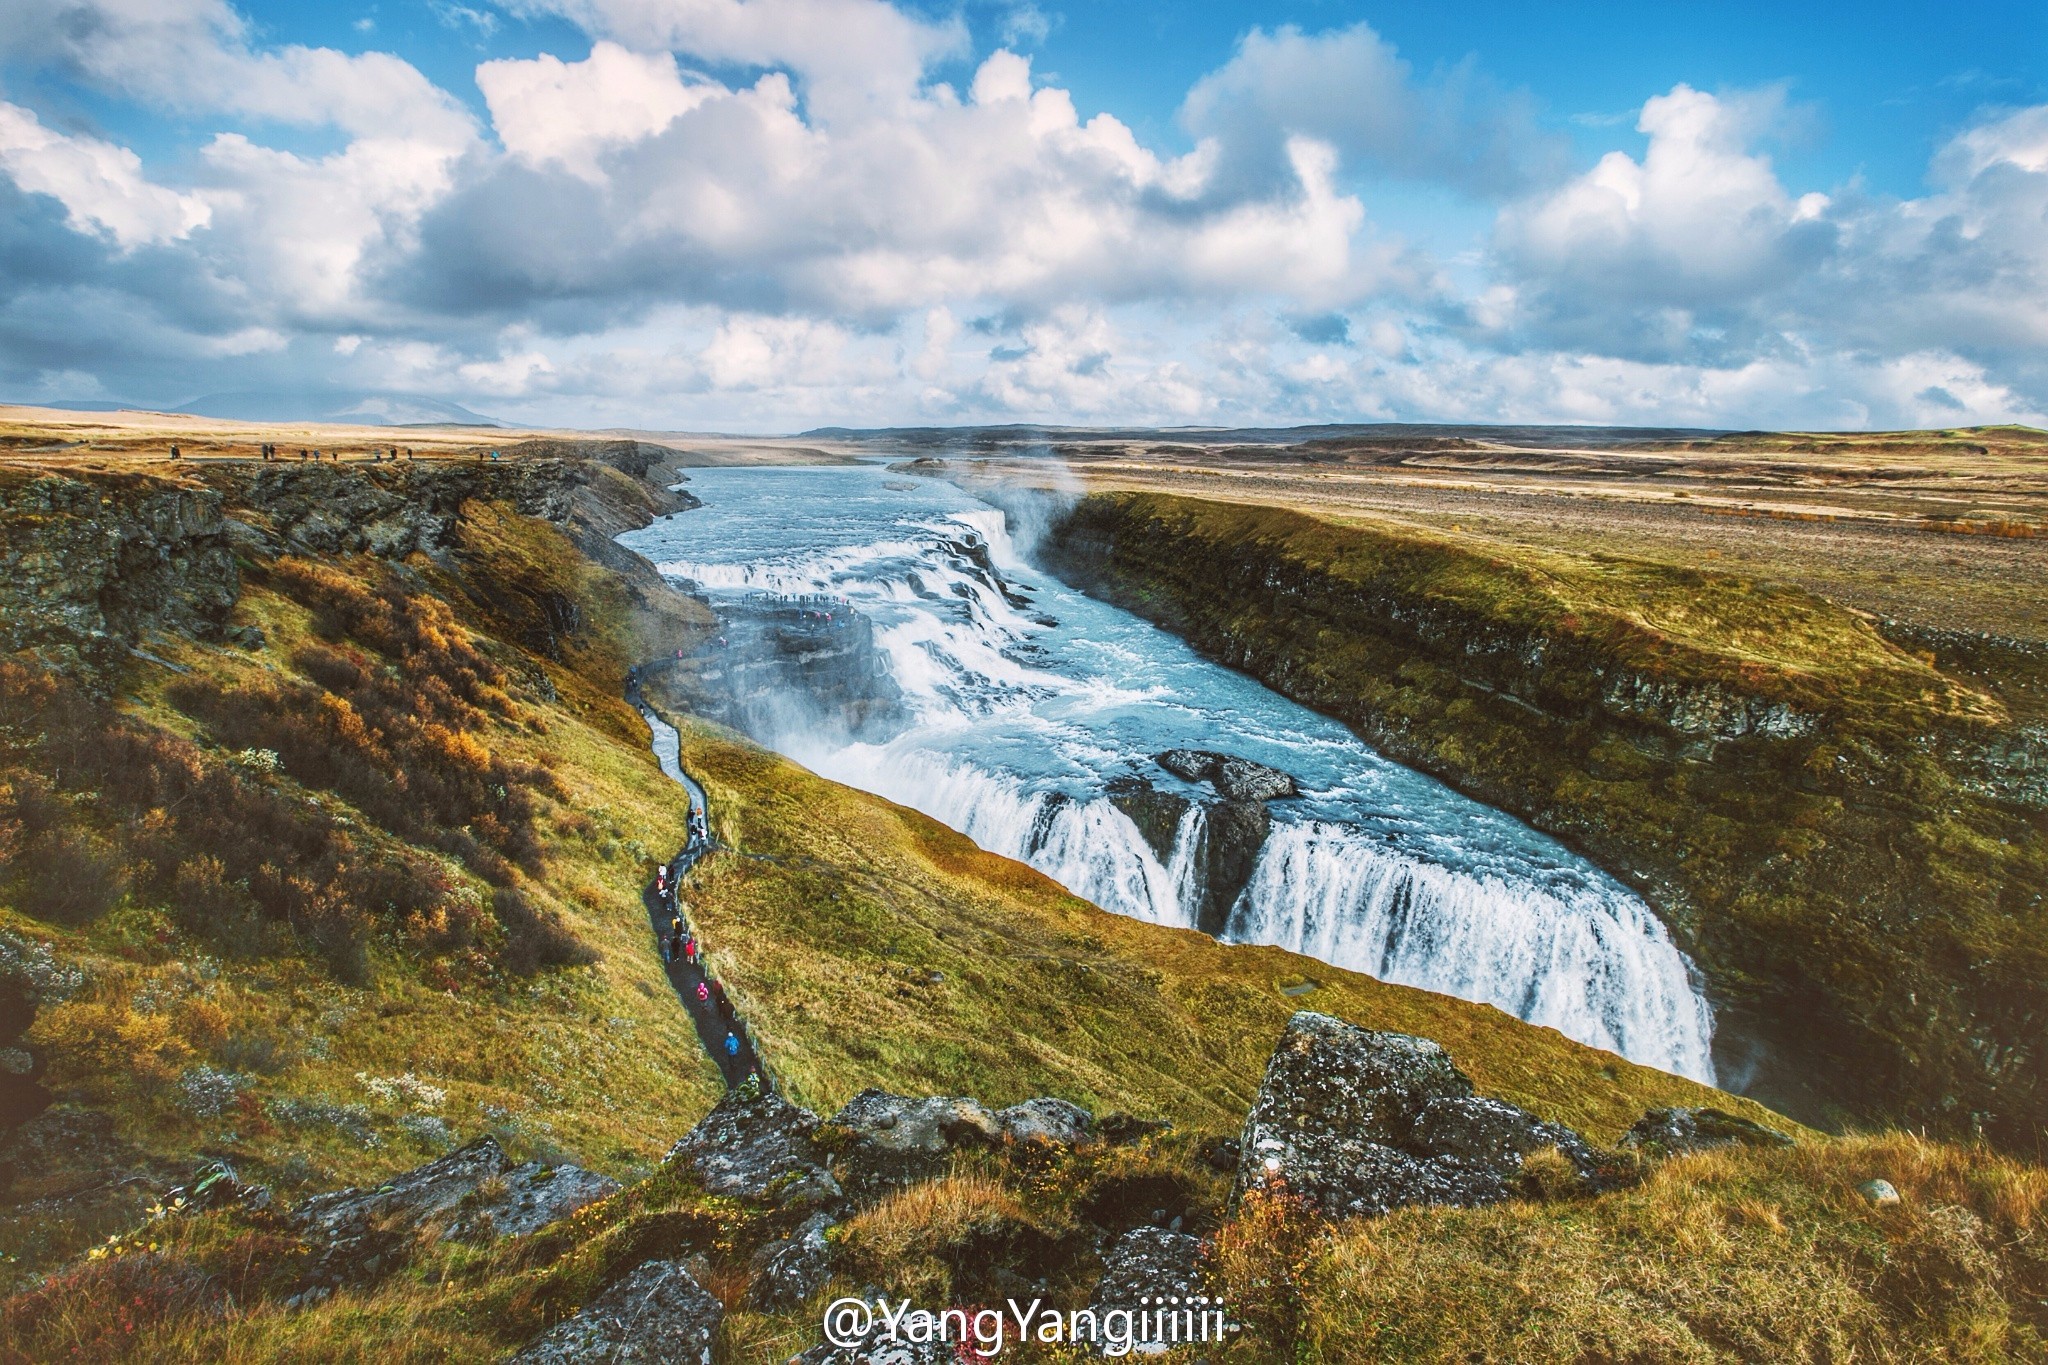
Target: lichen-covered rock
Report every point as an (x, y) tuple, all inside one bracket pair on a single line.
[(656, 1315), (1239, 779), (884, 1141), (878, 1349), (362, 1235), (1147, 1269), (1494, 1136), (1361, 1123), (1046, 1119), (526, 1198), (1668, 1132), (758, 1148), (788, 1273)]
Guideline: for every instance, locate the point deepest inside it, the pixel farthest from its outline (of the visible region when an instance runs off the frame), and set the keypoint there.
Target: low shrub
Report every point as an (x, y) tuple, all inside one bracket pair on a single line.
[(535, 936)]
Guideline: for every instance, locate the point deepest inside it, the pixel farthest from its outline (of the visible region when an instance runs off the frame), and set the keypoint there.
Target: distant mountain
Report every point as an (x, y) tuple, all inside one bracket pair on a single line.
[(83, 405), (1026, 434), (361, 409)]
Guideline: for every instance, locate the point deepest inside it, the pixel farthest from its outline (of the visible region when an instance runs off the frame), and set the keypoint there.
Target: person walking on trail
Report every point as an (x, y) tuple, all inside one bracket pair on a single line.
[(732, 1044), (703, 993)]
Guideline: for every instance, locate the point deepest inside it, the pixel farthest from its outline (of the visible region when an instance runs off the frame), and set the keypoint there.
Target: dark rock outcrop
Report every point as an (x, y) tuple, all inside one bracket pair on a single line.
[(1157, 814), (885, 1141), (656, 1315), (1234, 829), (1046, 1120), (361, 1235), (473, 1193), (1669, 1132), (1232, 838), (786, 1274), (533, 1195), (759, 1148), (88, 569), (1361, 1123), (1148, 1267), (1237, 779)]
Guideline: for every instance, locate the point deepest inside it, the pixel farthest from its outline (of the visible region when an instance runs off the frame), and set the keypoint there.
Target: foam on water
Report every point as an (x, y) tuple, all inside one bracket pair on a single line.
[(1019, 716)]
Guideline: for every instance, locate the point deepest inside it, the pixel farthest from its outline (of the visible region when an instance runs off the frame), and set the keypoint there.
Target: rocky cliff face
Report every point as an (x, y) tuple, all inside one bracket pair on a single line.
[(92, 565), (1233, 828), (777, 668), (87, 569), (1862, 887)]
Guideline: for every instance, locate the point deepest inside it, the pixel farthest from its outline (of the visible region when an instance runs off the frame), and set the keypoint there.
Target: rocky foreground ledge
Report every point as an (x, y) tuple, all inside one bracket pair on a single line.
[(1348, 1123)]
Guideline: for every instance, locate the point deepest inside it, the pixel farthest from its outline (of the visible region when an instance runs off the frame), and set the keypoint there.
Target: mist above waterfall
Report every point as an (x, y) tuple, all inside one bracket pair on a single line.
[(1028, 716)]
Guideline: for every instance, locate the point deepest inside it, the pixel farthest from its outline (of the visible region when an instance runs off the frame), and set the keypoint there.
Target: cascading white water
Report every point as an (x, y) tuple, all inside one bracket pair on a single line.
[(1598, 968), (1018, 715)]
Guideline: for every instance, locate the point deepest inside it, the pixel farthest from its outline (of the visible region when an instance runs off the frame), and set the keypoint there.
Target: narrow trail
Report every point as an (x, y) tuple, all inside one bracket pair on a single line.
[(714, 1025)]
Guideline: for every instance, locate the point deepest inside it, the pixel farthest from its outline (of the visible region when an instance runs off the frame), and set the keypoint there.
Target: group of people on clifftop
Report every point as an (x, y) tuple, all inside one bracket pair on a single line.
[(268, 453)]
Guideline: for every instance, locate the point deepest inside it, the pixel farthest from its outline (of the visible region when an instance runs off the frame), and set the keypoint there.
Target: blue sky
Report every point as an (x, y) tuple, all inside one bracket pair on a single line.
[(767, 214)]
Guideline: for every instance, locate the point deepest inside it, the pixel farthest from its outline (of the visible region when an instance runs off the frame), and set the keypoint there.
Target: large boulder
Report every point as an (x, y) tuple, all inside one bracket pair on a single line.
[(1238, 779), (1046, 1120), (884, 1141), (1361, 1123), (1149, 1270), (880, 1349), (656, 1315), (788, 1273), (360, 1235), (1669, 1132), (528, 1197), (759, 1148)]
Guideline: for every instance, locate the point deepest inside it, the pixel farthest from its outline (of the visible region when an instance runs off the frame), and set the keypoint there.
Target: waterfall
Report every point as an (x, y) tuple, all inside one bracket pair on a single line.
[(1184, 872), (1088, 846), (1023, 702), (1596, 967)]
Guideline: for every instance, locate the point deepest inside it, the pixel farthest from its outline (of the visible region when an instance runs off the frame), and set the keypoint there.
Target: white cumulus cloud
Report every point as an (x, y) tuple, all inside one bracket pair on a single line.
[(101, 186)]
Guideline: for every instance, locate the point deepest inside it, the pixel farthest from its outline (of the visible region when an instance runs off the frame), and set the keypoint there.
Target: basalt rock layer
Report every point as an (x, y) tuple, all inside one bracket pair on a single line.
[(1850, 843), (95, 564)]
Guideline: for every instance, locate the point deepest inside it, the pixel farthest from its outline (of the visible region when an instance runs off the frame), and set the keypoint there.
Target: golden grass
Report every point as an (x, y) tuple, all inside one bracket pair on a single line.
[(1734, 1254), (897, 1242)]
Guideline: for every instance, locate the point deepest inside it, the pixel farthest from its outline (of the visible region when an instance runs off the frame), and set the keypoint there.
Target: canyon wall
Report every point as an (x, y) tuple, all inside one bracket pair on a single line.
[(1850, 844)]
